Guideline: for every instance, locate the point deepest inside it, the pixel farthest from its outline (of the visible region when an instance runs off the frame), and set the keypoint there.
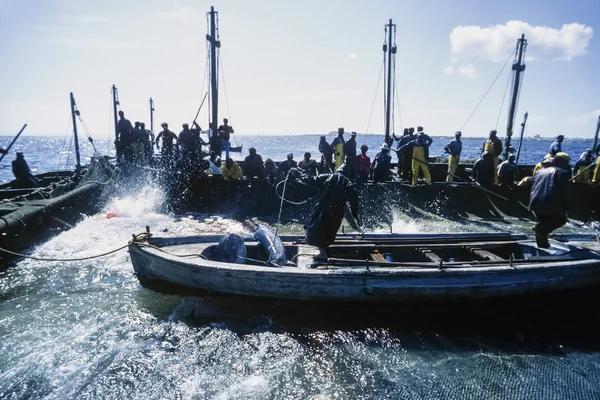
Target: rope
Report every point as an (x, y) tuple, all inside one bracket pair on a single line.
[(488, 90), (226, 97), (397, 98), (64, 144), (62, 259), (297, 203), (281, 203), (502, 104), (374, 99)]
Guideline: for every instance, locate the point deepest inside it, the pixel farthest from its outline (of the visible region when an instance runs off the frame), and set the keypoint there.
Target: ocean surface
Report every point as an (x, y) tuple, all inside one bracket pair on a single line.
[(88, 330)]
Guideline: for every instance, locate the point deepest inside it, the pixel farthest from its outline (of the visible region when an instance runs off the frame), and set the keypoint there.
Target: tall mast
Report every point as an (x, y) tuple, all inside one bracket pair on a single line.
[(74, 114), (151, 115), (518, 67), (522, 132), (115, 97), (214, 77), (389, 49), (596, 135)]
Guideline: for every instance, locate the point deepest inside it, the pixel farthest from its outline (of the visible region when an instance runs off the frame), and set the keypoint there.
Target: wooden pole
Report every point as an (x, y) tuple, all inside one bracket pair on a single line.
[(13, 141), (74, 114)]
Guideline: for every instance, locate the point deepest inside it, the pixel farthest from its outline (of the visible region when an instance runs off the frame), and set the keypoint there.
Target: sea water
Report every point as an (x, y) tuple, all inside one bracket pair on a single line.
[(87, 329)]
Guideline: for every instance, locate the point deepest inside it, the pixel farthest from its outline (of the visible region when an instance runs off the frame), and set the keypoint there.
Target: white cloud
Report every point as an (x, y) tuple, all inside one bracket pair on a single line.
[(182, 12), (352, 56), (495, 43), (587, 118), (87, 43), (449, 70), (469, 71)]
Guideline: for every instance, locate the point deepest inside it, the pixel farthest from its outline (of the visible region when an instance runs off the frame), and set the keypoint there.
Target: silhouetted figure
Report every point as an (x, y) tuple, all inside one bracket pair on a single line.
[(556, 146), (307, 165), (271, 171), (454, 148), (125, 138), (405, 145), (168, 146), (225, 132), (362, 165), (326, 155), (484, 170), (508, 172), (337, 145), (381, 164), (148, 140), (254, 167), (494, 146), (286, 165), (22, 173), (350, 154), (399, 154), (214, 139)]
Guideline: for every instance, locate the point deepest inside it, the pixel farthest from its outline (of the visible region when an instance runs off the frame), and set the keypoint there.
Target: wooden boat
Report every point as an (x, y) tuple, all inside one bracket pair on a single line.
[(373, 268)]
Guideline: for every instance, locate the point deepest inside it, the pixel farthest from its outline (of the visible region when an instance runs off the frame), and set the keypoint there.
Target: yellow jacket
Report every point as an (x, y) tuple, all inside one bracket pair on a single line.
[(233, 174)]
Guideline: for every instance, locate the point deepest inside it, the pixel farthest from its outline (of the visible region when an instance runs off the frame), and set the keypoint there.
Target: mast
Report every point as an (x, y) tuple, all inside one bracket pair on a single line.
[(74, 114), (596, 135), (115, 97), (522, 132), (215, 44), (151, 115), (518, 67), (389, 49)]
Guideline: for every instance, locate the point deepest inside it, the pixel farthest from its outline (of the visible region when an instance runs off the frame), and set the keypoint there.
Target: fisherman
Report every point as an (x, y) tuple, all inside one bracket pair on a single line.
[(582, 168), (148, 140), (399, 154), (335, 191), (22, 173), (286, 166), (508, 172), (326, 155), (271, 172), (483, 170), (231, 171), (126, 136), (596, 177), (337, 145), (420, 156), (188, 146), (556, 146), (225, 132), (381, 164), (198, 141), (494, 146), (167, 143), (253, 165), (454, 148), (350, 154), (214, 164), (214, 139), (362, 165), (405, 145), (308, 166), (137, 146), (550, 197)]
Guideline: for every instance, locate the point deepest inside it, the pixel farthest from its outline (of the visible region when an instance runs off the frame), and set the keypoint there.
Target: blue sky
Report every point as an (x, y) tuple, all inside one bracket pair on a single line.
[(299, 67)]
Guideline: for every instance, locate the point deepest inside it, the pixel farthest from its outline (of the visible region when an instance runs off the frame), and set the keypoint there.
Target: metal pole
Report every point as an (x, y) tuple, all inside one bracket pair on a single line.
[(214, 79), (595, 136), (13, 141), (74, 114), (388, 110), (517, 67), (151, 115), (522, 132), (115, 114)]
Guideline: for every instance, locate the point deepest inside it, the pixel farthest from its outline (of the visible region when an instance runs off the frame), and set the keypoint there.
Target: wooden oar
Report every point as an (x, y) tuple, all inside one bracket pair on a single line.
[(13, 142)]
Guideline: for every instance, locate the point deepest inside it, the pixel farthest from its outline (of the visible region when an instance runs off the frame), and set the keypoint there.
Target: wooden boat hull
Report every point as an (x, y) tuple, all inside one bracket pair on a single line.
[(361, 284)]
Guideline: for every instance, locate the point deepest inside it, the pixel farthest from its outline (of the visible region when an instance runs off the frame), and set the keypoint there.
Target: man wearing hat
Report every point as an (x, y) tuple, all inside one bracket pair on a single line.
[(454, 148), (338, 149), (508, 172), (420, 155), (494, 146), (381, 164), (550, 197), (350, 153), (22, 173)]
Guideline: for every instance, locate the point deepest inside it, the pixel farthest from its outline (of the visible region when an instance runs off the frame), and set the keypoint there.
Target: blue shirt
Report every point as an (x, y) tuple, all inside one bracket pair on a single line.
[(555, 147), (454, 147)]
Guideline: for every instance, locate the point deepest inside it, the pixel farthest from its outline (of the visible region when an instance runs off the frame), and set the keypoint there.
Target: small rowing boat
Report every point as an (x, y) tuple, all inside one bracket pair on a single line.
[(367, 268)]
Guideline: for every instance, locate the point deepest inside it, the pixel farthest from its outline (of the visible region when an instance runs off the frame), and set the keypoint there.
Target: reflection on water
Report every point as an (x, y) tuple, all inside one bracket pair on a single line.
[(89, 330)]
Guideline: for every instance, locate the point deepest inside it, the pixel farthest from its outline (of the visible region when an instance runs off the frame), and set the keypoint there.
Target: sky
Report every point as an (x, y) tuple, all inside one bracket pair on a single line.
[(300, 67)]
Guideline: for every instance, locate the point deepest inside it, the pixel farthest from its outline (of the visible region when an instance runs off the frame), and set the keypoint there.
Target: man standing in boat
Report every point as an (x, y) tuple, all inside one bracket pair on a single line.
[(454, 148), (22, 173), (125, 138), (550, 197), (350, 154), (420, 156), (556, 146), (405, 145), (225, 132), (336, 192), (494, 146), (337, 145), (167, 143)]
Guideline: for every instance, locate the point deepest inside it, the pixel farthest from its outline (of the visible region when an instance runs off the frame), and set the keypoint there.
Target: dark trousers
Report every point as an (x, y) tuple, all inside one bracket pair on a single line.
[(350, 165), (545, 225), (407, 165)]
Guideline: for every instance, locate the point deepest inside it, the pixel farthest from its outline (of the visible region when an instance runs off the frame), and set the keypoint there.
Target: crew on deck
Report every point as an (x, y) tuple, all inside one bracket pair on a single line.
[(399, 153), (326, 155), (405, 145), (125, 138), (454, 148), (420, 156), (231, 171), (556, 146), (225, 132), (350, 154), (550, 197), (253, 165), (308, 166), (148, 141), (22, 173), (337, 145), (214, 164), (362, 165), (583, 167), (286, 165), (168, 146), (508, 172), (483, 170), (381, 164), (494, 146), (271, 171)]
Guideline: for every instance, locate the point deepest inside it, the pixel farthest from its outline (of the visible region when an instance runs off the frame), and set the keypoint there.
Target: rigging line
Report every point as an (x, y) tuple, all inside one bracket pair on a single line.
[(69, 153), (64, 144), (226, 97), (488, 90), (503, 98), (397, 97), (374, 99)]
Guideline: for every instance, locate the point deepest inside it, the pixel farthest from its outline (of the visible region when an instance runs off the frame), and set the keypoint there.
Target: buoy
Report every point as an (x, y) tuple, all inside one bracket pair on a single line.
[(111, 214)]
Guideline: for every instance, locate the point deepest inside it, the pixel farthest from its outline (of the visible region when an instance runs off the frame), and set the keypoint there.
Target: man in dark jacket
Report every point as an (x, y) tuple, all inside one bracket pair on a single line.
[(350, 154), (406, 146), (556, 146), (508, 172), (286, 165), (483, 170), (335, 190), (381, 164), (549, 198), (253, 165), (22, 173)]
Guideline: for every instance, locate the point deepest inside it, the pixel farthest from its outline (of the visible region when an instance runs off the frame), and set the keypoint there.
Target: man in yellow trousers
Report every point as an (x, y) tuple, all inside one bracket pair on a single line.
[(420, 155), (494, 146), (454, 148)]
